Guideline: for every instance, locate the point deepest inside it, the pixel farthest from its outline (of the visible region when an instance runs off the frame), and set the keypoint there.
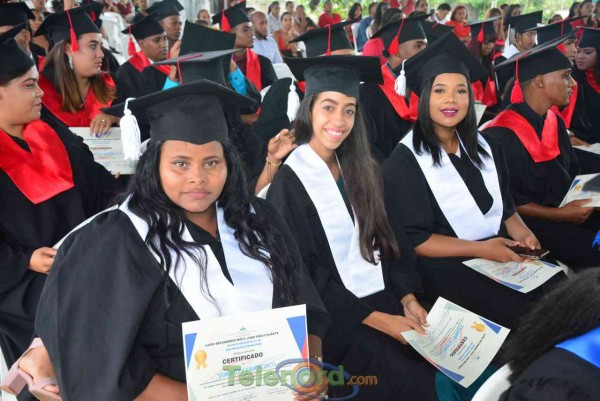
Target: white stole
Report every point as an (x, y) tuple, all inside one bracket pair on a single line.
[(253, 289), (453, 196), (358, 275)]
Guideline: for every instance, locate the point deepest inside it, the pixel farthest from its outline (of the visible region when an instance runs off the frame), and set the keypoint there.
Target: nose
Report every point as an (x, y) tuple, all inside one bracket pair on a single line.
[(198, 176), (38, 91), (571, 82)]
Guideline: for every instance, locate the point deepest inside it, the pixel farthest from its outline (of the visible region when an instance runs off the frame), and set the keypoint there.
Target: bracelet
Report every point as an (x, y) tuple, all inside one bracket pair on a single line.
[(272, 164)]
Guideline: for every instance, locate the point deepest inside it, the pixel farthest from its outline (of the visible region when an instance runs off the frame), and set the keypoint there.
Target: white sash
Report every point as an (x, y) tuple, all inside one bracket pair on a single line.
[(253, 290), (453, 196), (358, 275)]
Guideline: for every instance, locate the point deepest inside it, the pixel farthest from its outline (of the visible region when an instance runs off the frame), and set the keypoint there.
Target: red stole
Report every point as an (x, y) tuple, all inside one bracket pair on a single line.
[(82, 118), (591, 80), (567, 112), (139, 61), (406, 112), (485, 94), (42, 173), (253, 71), (40, 60), (540, 151), (165, 69)]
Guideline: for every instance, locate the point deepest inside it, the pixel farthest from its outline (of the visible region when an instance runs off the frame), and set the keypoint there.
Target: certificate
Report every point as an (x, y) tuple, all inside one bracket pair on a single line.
[(576, 192), (458, 343), (107, 150), (234, 358), (520, 276), (593, 148)]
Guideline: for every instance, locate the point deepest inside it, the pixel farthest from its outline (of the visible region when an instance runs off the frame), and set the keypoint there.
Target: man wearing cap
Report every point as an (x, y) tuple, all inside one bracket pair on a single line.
[(542, 163), (152, 40), (14, 23), (389, 113), (264, 44), (258, 69), (167, 14)]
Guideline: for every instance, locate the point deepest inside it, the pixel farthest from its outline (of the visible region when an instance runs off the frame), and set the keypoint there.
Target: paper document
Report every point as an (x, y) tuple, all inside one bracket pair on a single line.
[(107, 150), (520, 276), (459, 343), (593, 148), (576, 192)]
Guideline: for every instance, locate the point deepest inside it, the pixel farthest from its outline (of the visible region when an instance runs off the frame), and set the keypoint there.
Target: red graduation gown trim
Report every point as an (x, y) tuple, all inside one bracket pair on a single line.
[(139, 61), (165, 69), (40, 60), (83, 118), (485, 94), (253, 70), (540, 151), (591, 80), (42, 173), (567, 112), (406, 112)]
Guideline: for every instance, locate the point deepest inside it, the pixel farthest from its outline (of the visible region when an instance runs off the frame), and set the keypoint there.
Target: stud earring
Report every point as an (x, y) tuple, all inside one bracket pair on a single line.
[(71, 62)]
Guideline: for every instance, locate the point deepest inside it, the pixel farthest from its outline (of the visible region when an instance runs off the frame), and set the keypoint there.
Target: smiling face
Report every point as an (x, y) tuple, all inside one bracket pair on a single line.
[(192, 176), (21, 99), (449, 100), (333, 115), (87, 61), (586, 58)]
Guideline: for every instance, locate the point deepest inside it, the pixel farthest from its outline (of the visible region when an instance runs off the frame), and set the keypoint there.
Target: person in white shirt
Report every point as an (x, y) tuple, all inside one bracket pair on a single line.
[(273, 22), (264, 44), (442, 13)]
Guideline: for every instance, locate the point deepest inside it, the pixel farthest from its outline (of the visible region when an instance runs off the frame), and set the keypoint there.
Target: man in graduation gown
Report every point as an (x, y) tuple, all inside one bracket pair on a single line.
[(153, 44), (388, 113), (541, 160), (167, 14), (258, 69), (14, 23)]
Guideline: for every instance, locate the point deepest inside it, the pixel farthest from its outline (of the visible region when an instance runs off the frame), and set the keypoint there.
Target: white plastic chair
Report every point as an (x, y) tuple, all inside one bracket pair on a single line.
[(354, 28), (495, 386)]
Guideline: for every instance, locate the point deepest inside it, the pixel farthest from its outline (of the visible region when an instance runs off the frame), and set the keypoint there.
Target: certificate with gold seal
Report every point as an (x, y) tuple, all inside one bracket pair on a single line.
[(253, 356)]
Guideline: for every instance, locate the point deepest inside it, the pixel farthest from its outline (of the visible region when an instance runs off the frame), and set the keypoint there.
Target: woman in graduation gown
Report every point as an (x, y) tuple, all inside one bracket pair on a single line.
[(588, 79), (448, 188), (329, 192), (72, 79), (554, 354), (481, 46), (541, 161), (112, 308), (49, 183)]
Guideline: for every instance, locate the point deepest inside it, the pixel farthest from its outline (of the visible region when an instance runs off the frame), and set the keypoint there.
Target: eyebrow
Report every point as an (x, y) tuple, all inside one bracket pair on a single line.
[(184, 157), (94, 41), (336, 102), (440, 84)]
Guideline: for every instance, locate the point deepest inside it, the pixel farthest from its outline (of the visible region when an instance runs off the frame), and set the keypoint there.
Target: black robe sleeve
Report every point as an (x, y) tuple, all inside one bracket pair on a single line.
[(154, 80), (268, 75), (300, 214), (130, 83)]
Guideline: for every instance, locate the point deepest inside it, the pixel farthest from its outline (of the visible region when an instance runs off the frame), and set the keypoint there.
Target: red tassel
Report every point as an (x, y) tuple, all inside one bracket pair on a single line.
[(74, 44), (225, 27), (480, 35), (131, 45), (93, 16), (328, 53), (516, 95), (394, 46), (562, 48)]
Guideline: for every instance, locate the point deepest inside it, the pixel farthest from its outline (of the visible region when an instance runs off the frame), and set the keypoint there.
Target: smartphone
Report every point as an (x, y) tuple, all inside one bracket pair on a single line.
[(528, 253)]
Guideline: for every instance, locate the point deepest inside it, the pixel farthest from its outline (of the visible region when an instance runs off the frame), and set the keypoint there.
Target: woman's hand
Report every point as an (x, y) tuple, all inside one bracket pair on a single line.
[(42, 259), (392, 325), (281, 145), (101, 124), (174, 53), (496, 249), (575, 212), (529, 241), (413, 310)]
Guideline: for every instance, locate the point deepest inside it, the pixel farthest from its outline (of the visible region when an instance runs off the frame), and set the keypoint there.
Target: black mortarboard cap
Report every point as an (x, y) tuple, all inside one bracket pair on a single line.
[(58, 26), (192, 112), (554, 31), (13, 57), (164, 9), (395, 32), (11, 33), (435, 30), (524, 22), (319, 41), (147, 26), (197, 38), (446, 55), (489, 29), (589, 38), (273, 115), (231, 17), (206, 65), (14, 14), (335, 73)]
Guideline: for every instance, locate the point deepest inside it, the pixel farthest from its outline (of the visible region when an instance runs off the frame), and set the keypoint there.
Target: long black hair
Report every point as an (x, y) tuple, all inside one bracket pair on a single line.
[(353, 9), (568, 311), (165, 220), (425, 138), (362, 180)]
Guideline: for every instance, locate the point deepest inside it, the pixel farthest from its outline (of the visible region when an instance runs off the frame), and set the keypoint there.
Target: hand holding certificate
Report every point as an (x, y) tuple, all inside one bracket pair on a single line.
[(459, 343), (579, 191), (107, 150)]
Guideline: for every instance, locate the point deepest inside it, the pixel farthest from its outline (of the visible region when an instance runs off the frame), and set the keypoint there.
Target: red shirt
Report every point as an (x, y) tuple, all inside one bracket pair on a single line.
[(460, 29), (325, 19), (374, 47)]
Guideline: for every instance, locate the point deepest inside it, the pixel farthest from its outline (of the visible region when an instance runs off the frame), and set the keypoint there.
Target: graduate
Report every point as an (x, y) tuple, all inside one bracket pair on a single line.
[(49, 183), (481, 46), (449, 188), (14, 22), (331, 40), (587, 75), (73, 82), (166, 12), (153, 48), (541, 160), (389, 110), (258, 69), (554, 352), (182, 220), (524, 40), (329, 192), (434, 30)]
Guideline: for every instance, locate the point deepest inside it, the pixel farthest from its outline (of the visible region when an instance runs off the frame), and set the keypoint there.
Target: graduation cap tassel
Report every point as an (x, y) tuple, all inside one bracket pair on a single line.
[(328, 53), (394, 46), (225, 27), (74, 44), (131, 45), (293, 102), (516, 95), (130, 134), (507, 41), (400, 84), (480, 37)]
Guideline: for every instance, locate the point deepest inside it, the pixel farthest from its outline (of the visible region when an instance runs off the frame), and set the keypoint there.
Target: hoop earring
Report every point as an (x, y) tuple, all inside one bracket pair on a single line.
[(70, 62)]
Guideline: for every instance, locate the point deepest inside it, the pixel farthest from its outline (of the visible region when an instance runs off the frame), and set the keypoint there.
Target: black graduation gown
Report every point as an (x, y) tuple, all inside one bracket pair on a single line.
[(384, 126), (153, 80), (419, 213), (558, 375), (110, 62), (25, 227), (546, 184), (130, 82), (589, 106), (503, 76), (402, 374), (104, 316)]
